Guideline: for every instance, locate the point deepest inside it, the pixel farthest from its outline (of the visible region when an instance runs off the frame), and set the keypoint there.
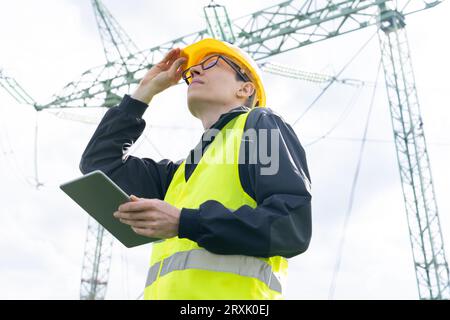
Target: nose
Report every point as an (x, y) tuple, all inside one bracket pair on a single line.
[(197, 70)]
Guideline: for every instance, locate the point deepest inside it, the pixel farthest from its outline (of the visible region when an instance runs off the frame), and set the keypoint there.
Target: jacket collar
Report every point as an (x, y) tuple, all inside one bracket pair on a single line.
[(218, 125), (227, 116)]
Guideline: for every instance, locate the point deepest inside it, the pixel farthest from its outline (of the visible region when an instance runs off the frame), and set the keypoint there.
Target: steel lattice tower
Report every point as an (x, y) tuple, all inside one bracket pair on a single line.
[(117, 45), (427, 245)]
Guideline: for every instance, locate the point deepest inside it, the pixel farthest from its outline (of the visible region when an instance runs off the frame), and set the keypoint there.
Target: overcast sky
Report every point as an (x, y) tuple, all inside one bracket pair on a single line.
[(46, 44)]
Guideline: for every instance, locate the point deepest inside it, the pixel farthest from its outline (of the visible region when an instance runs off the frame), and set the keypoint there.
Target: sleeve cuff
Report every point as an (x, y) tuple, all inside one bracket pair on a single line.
[(189, 225), (133, 106)]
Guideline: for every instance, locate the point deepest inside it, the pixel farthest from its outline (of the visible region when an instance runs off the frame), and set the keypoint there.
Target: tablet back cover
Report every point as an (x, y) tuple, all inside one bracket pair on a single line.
[(99, 196)]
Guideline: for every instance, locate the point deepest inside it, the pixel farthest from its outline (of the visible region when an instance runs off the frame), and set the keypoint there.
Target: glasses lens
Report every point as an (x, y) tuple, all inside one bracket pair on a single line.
[(210, 62), (237, 68), (206, 64)]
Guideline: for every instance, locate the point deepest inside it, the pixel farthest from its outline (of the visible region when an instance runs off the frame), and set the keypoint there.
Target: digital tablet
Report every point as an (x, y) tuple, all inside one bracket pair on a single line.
[(99, 196)]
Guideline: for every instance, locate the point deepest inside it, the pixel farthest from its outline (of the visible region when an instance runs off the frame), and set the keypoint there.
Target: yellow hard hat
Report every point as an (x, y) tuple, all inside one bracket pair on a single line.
[(196, 51)]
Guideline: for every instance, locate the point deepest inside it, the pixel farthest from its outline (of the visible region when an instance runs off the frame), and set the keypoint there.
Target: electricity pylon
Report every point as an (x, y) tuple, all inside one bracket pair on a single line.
[(432, 273), (291, 25), (119, 47)]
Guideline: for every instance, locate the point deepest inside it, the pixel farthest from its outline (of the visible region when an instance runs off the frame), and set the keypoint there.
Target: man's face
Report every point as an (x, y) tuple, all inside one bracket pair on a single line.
[(216, 86)]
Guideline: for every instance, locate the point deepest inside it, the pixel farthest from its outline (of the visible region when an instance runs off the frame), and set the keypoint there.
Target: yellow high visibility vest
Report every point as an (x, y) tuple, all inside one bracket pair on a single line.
[(179, 268)]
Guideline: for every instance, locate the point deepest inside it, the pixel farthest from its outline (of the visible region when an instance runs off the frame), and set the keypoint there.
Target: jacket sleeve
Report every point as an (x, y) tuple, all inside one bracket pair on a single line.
[(281, 222), (107, 149)]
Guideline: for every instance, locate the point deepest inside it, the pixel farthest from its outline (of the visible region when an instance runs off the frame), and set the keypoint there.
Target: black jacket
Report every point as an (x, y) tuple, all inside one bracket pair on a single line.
[(279, 225)]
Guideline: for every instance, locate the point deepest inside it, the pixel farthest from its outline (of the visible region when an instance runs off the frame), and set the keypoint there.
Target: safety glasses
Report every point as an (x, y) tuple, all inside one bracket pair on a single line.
[(211, 62)]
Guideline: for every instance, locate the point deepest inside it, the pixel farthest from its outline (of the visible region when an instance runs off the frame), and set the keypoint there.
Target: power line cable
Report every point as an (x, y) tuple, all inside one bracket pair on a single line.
[(352, 195), (125, 282), (298, 74), (341, 119), (333, 80), (10, 157), (13, 170), (140, 295), (64, 115), (351, 139), (36, 170), (153, 145)]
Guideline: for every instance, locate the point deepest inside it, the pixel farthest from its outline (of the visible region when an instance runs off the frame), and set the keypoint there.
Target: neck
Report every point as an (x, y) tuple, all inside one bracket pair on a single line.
[(210, 114)]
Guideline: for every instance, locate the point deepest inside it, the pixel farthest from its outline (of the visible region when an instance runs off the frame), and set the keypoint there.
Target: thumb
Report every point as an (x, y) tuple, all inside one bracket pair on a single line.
[(175, 68), (134, 198)]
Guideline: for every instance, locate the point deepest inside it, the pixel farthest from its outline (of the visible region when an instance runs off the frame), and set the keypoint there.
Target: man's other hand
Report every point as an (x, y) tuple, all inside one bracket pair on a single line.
[(152, 218)]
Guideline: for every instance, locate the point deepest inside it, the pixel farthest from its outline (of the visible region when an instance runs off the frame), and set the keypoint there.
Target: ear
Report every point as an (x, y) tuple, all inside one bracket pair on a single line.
[(246, 90)]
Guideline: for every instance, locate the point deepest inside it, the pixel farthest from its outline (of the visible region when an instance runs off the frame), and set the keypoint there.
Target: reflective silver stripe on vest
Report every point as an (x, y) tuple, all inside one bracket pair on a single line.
[(204, 260), (152, 274)]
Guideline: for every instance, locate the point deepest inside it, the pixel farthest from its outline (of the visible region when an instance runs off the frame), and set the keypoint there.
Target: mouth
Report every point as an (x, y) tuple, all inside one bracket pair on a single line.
[(196, 82)]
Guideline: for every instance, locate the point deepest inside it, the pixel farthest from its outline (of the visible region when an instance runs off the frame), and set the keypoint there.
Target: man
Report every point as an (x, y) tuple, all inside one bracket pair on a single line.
[(227, 221)]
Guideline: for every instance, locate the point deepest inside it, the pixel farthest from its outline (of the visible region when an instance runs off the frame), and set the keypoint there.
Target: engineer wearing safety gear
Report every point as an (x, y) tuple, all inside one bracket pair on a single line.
[(226, 228)]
